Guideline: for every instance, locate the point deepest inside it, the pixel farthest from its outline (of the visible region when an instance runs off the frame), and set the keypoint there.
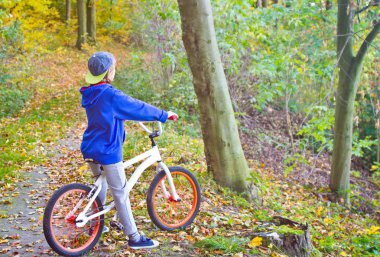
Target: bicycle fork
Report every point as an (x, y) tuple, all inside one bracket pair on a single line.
[(173, 196)]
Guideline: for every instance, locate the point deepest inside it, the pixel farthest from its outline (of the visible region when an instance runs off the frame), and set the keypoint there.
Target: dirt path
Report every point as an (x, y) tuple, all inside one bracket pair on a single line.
[(21, 231), (22, 206)]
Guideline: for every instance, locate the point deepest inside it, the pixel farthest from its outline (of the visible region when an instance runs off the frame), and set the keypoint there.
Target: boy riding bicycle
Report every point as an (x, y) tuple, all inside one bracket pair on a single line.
[(107, 109)]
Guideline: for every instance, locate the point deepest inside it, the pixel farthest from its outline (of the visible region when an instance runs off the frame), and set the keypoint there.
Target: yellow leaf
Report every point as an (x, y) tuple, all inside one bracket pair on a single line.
[(343, 253), (373, 230), (81, 169), (3, 241), (84, 167), (374, 167), (257, 241), (319, 211)]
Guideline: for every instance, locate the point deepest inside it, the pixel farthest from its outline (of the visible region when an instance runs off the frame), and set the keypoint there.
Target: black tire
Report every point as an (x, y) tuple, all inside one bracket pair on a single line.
[(59, 229), (190, 196)]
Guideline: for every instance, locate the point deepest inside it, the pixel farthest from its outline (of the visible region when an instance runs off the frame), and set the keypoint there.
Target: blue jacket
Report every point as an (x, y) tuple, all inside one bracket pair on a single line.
[(107, 109)]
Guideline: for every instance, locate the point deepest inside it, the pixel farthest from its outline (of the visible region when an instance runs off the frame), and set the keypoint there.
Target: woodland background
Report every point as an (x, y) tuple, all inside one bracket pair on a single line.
[(280, 63)]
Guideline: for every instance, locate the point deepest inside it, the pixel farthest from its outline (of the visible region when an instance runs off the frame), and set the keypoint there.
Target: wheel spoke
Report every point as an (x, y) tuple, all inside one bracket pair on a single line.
[(64, 235), (172, 214)]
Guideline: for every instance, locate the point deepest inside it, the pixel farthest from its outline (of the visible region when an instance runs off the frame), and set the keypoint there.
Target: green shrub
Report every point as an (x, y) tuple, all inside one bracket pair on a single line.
[(12, 100)]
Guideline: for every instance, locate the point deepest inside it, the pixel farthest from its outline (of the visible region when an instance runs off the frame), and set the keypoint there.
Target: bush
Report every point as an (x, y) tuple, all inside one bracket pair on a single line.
[(12, 100)]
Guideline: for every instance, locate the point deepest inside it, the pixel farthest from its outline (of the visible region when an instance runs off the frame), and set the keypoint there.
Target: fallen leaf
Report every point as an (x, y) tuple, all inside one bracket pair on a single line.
[(257, 241)]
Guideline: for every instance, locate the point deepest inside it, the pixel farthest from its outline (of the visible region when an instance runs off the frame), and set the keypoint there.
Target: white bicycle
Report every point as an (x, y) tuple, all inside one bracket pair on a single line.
[(74, 216)]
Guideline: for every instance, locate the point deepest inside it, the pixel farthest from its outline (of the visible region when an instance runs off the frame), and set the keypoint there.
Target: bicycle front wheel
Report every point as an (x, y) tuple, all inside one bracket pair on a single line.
[(59, 222), (164, 211)]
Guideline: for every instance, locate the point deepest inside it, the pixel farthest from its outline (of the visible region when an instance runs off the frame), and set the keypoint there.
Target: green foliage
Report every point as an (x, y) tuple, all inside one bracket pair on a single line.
[(369, 244), (12, 101), (226, 244), (112, 19), (11, 37), (276, 52), (318, 133), (160, 76)]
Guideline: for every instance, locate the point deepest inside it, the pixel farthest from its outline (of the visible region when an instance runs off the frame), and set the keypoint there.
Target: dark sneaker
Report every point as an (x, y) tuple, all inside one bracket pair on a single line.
[(144, 243)]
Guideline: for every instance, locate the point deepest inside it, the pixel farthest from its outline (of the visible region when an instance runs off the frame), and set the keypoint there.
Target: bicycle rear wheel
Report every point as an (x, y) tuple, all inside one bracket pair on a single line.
[(165, 212), (59, 225)]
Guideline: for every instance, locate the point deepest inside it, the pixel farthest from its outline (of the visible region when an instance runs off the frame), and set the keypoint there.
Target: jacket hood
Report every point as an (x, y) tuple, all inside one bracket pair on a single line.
[(91, 94)]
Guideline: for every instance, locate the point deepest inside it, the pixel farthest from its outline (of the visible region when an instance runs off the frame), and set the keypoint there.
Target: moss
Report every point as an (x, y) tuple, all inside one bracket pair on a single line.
[(285, 230)]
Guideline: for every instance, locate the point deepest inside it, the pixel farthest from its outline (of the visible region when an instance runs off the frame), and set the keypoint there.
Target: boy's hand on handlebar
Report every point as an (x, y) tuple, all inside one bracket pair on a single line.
[(172, 116)]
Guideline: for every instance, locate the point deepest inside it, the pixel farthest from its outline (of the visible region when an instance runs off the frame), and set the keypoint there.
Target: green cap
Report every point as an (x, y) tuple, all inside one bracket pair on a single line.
[(91, 79)]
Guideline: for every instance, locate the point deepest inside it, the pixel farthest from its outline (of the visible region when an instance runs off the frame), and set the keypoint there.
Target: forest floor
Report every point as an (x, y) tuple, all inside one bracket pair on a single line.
[(47, 135)]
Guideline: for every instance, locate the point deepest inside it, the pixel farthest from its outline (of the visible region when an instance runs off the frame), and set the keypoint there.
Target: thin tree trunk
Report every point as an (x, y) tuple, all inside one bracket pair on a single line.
[(68, 11), (264, 3), (350, 69), (82, 31), (91, 21), (224, 154), (258, 4), (328, 5), (378, 146)]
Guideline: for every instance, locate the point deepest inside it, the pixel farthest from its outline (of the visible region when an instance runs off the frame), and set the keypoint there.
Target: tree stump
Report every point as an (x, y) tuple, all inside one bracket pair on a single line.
[(291, 237)]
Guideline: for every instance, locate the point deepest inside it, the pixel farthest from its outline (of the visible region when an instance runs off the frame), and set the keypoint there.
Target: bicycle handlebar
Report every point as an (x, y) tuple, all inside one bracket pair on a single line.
[(159, 132)]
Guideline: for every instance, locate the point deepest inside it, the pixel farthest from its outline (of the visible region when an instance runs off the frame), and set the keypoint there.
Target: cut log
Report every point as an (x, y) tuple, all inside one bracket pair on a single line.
[(290, 237)]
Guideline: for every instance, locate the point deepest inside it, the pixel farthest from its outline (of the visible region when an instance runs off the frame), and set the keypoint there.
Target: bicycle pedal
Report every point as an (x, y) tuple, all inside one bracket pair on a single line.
[(116, 225)]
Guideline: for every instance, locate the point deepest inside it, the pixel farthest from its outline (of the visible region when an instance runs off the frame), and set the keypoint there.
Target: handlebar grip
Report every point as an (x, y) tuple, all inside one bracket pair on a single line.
[(150, 132)]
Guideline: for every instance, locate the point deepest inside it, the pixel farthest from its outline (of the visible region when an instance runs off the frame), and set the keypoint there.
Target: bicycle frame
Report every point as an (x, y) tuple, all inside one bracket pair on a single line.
[(150, 157)]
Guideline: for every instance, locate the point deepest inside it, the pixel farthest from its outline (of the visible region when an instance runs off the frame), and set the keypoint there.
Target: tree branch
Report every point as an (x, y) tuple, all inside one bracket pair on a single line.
[(372, 3), (367, 42)]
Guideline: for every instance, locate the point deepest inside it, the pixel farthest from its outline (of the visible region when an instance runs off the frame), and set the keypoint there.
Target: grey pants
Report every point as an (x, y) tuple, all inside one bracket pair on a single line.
[(117, 182)]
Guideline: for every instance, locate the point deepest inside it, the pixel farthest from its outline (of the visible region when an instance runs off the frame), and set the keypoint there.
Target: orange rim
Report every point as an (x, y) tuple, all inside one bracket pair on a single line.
[(174, 214), (64, 231)]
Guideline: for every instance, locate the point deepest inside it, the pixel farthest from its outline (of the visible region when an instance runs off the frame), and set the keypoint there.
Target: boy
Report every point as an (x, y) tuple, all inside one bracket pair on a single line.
[(107, 109)]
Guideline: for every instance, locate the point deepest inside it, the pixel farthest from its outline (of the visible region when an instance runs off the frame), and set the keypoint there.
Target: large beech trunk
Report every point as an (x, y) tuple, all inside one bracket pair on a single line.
[(224, 154)]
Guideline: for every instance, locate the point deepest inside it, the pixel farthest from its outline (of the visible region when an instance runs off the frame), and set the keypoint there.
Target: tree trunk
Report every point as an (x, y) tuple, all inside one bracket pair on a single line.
[(224, 154), (292, 238), (68, 11), (328, 5), (350, 69), (82, 31), (91, 21), (264, 3), (258, 4), (344, 113)]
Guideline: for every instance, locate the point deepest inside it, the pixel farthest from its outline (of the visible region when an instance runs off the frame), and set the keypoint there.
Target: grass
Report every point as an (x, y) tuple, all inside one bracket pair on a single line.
[(225, 244), (22, 139)]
